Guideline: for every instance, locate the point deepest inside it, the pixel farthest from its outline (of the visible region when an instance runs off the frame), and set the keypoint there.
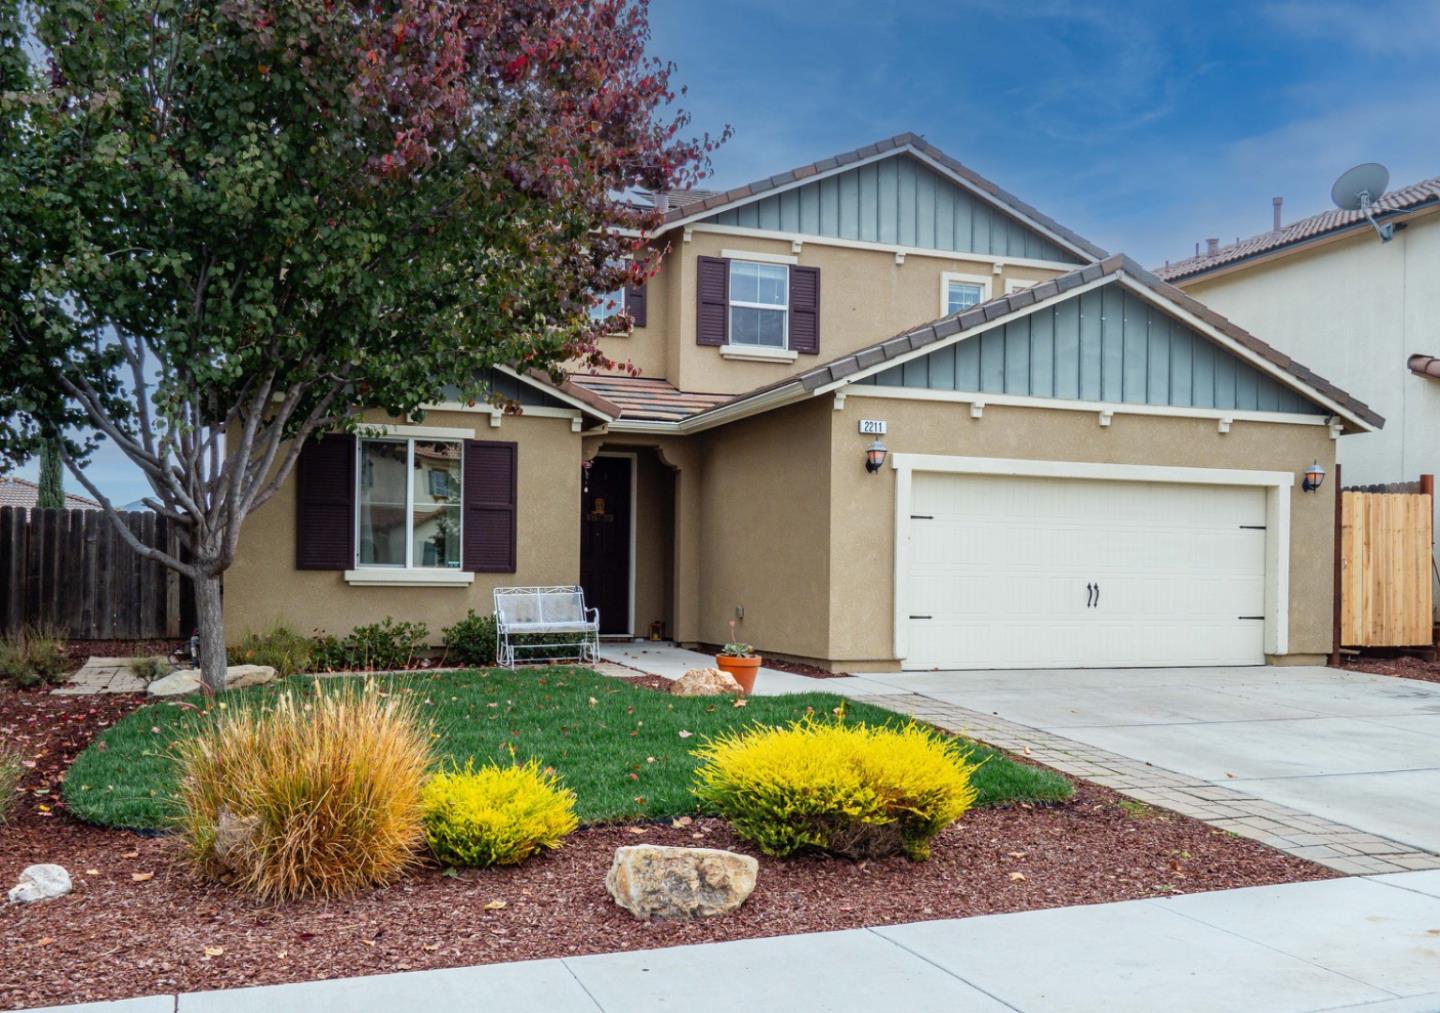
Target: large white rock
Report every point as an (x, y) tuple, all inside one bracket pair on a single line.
[(188, 680), (706, 682), (40, 882), (655, 881)]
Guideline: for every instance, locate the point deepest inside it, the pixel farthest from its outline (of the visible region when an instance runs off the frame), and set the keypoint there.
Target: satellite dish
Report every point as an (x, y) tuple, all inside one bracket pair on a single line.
[(1359, 188)]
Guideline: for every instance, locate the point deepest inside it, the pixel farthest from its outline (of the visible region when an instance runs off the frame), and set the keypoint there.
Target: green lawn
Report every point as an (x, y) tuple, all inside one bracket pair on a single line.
[(624, 750)]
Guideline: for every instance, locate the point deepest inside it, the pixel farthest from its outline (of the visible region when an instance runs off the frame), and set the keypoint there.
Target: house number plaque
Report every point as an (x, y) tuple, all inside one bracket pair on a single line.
[(872, 427)]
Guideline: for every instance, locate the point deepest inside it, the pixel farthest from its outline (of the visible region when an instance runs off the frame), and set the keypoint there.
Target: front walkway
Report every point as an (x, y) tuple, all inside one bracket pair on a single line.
[(1353, 944), (1341, 768)]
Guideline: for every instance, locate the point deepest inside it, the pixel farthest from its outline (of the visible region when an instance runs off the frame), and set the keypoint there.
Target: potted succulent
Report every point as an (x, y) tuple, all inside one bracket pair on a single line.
[(740, 660)]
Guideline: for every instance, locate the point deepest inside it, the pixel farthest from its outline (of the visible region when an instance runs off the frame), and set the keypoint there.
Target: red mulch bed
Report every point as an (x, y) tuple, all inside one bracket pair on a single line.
[(117, 935), (1403, 667)]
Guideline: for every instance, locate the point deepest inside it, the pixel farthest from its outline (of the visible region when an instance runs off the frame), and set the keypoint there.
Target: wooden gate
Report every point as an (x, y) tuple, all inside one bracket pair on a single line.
[(1385, 566)]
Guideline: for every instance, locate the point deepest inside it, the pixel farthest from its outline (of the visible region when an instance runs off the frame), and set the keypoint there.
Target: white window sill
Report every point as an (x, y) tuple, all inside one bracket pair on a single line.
[(758, 353), (386, 576)]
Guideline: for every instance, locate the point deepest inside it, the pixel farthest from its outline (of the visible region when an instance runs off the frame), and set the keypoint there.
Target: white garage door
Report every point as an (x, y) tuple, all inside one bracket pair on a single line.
[(1059, 573)]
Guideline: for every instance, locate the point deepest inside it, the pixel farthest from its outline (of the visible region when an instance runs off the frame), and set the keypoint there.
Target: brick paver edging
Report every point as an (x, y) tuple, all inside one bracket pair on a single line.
[(1334, 845)]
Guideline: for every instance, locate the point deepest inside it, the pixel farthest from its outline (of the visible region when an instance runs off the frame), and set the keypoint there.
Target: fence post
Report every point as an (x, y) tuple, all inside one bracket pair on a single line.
[(1336, 575)]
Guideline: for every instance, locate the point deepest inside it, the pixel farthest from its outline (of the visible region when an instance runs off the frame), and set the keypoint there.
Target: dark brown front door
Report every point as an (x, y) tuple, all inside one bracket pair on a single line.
[(605, 541)]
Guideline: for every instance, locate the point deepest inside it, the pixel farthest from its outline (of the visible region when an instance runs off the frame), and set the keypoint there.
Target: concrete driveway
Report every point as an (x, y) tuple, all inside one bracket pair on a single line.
[(1358, 749)]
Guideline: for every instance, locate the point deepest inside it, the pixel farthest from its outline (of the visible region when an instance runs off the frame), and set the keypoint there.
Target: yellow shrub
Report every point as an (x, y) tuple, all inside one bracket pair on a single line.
[(311, 796), (854, 790), (495, 815)]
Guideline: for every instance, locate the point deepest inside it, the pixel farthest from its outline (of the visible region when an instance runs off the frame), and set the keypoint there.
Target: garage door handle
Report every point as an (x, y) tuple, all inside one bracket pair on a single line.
[(1089, 595), (1097, 595)]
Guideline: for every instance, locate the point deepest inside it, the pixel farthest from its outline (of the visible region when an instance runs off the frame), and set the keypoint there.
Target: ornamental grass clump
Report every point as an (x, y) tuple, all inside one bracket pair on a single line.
[(861, 791), (313, 795), (495, 815)]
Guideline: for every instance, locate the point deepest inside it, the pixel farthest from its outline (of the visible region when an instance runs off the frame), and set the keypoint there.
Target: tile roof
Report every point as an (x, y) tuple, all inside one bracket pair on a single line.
[(681, 209), (1427, 366), (18, 492), (1406, 198), (648, 399), (945, 327)]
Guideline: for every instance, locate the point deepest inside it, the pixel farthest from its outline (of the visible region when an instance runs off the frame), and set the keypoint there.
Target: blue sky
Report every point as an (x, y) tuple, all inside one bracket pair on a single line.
[(1146, 127)]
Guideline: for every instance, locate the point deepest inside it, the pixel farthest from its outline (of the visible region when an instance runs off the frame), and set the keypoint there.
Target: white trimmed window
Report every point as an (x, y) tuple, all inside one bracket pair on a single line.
[(408, 503), (961, 291), (759, 304), (608, 305)]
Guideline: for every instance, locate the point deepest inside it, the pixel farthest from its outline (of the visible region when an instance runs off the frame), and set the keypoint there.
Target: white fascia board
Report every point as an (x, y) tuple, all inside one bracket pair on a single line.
[(1063, 266), (557, 394), (959, 336), (1255, 359), (384, 429), (1063, 404)]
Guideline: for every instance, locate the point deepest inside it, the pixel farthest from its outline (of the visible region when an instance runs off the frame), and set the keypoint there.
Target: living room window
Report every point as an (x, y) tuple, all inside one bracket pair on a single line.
[(759, 304), (408, 503)]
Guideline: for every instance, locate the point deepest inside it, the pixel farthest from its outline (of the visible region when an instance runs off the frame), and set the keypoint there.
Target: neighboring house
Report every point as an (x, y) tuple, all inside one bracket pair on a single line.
[(1084, 466), (18, 492), (1327, 290)]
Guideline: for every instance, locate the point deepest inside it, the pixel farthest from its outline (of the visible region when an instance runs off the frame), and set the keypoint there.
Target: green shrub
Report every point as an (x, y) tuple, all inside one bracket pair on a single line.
[(147, 670), (280, 647), (471, 641), (315, 795), (33, 655), (495, 815), (388, 645), (856, 790), (11, 771)]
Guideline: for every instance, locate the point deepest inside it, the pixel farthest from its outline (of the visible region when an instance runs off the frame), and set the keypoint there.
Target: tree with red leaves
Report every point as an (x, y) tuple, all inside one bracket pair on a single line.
[(233, 225)]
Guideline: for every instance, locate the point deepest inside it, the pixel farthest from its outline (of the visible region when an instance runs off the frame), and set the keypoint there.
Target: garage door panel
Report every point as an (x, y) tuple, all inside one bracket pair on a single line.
[(1002, 573)]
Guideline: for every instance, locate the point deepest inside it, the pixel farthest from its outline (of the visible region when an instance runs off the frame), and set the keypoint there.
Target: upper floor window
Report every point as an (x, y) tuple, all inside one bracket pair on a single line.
[(408, 506), (759, 304), (961, 291), (608, 305)]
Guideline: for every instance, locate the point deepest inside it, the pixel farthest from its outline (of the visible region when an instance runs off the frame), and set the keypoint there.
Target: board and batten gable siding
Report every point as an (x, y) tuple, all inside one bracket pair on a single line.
[(1102, 345), (897, 200)]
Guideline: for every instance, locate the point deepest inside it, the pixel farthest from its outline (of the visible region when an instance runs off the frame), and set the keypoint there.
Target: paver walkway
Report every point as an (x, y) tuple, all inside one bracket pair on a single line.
[(102, 675), (1345, 944), (1340, 768)]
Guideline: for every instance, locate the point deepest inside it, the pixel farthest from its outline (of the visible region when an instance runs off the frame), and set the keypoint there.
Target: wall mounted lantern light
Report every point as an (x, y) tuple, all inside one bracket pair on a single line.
[(1314, 477), (875, 457)]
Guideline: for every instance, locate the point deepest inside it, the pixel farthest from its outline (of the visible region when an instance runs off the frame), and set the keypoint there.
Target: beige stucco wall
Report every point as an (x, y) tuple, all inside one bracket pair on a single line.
[(765, 540), (862, 506), (865, 296), (263, 587)]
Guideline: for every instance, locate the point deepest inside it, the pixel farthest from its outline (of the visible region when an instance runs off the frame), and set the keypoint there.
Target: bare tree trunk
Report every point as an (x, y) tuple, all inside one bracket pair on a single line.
[(212, 631)]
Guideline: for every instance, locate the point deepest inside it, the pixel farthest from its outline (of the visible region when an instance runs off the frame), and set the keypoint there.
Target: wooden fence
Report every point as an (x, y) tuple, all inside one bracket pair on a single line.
[(1386, 564), (70, 569)]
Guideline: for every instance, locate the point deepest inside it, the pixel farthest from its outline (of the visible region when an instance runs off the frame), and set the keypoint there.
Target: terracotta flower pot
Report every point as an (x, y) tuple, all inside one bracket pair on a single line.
[(741, 669)]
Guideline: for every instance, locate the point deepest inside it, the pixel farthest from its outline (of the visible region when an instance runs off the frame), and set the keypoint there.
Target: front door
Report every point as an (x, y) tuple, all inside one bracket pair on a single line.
[(605, 541)]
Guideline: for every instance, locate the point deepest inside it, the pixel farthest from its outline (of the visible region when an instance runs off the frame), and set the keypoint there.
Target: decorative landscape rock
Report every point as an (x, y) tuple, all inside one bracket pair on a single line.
[(40, 882), (188, 680), (655, 881), (706, 682), (232, 833)]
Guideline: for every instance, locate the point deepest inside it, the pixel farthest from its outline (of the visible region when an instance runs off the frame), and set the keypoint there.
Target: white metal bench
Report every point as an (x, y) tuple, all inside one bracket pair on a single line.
[(557, 613)]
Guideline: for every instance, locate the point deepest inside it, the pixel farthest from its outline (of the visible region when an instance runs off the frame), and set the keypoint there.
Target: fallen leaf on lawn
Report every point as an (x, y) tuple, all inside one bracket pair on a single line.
[(649, 759), (1027, 750), (495, 905), (213, 951), (636, 830), (594, 702), (282, 954), (684, 734), (368, 942), (141, 877), (681, 821), (131, 854), (740, 701), (1016, 877)]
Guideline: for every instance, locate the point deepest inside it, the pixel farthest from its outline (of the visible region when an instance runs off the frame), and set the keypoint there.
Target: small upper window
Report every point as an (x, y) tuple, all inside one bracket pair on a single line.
[(961, 291), (759, 304), (409, 503), (608, 305)]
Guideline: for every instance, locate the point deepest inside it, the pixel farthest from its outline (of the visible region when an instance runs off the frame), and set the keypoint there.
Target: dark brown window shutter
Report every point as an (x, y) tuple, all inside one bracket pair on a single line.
[(490, 472), (635, 303), (712, 283), (805, 310), (325, 504)]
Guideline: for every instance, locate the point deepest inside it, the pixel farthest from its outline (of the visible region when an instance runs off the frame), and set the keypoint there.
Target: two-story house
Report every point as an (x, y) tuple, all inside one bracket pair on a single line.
[(887, 416)]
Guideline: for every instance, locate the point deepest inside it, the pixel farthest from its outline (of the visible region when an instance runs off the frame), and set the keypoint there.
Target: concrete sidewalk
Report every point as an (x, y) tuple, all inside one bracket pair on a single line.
[(1353, 944)]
